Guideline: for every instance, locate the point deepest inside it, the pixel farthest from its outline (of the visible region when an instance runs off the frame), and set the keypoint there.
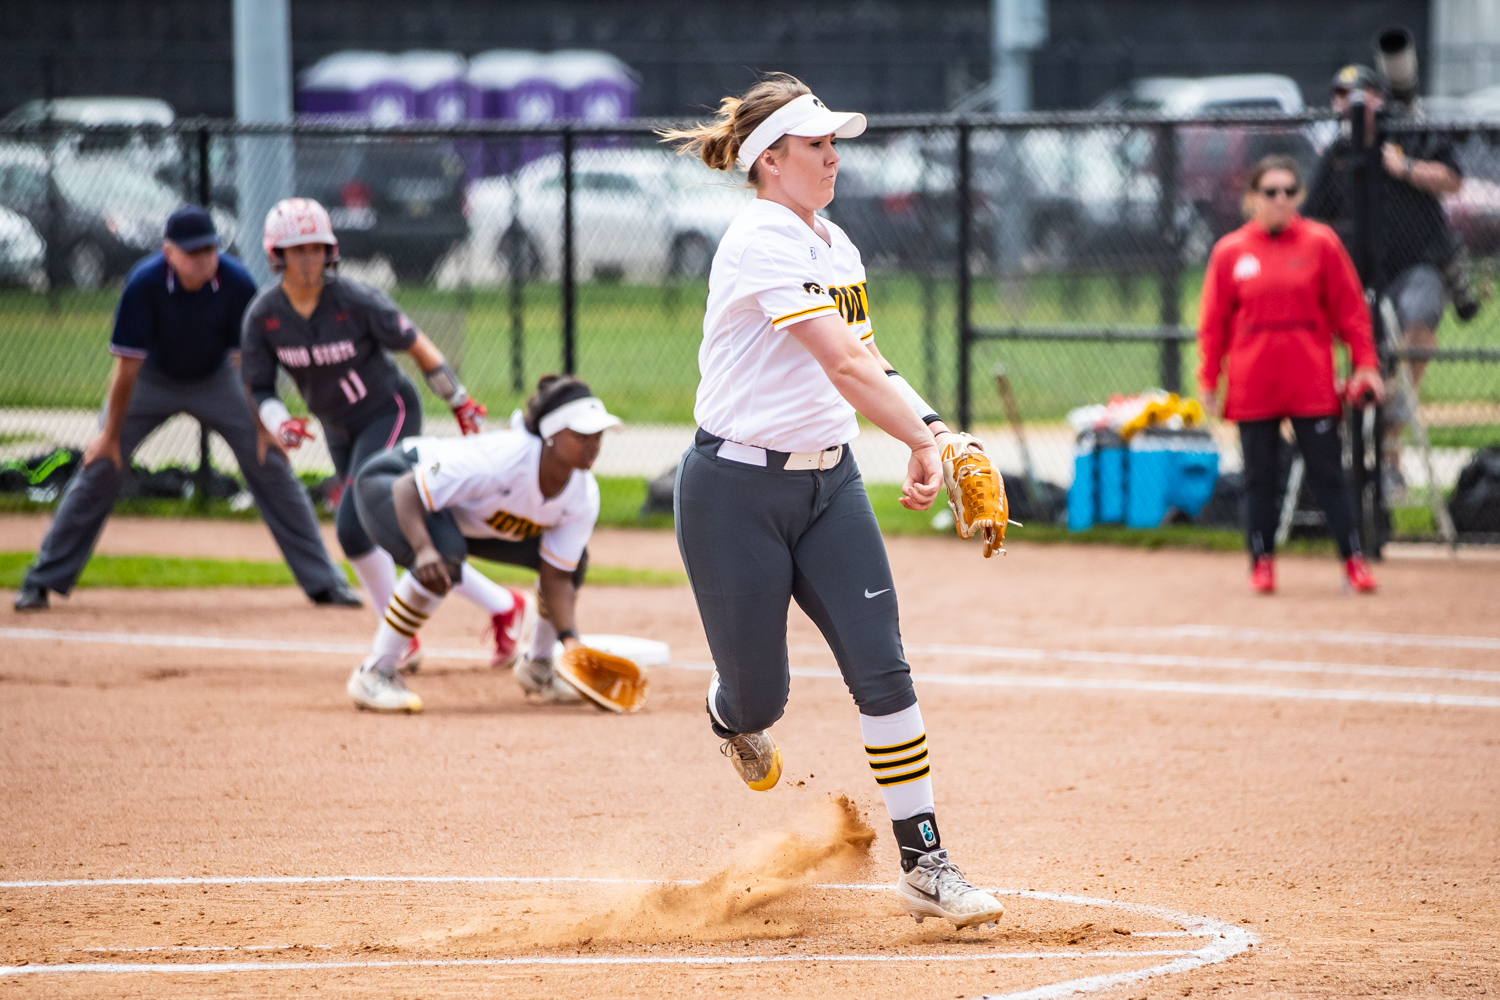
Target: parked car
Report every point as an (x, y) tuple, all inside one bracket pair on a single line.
[(639, 215), (1214, 163), (97, 214), (22, 251), (1184, 96), (142, 135), (400, 198)]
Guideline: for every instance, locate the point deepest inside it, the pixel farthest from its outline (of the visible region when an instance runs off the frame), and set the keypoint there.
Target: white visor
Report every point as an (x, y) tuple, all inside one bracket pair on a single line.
[(582, 416), (806, 116)]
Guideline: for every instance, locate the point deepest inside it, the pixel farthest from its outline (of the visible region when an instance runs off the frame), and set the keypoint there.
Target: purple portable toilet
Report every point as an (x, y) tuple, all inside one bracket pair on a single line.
[(355, 84), (596, 87), (512, 85), (436, 79)]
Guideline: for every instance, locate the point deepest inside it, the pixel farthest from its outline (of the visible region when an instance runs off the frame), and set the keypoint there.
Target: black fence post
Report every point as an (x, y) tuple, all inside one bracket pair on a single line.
[(1169, 277), (204, 476), (569, 358), (1367, 254), (965, 239)]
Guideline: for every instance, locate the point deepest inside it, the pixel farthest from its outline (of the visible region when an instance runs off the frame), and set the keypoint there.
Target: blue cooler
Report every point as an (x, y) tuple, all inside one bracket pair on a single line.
[(1098, 491), (1168, 469)]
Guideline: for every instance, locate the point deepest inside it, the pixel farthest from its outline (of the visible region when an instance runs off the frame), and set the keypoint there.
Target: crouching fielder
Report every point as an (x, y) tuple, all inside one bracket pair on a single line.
[(523, 497), (770, 505)]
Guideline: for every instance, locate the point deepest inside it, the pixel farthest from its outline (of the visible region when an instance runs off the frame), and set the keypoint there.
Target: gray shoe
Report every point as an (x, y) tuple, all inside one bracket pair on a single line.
[(536, 676), (381, 692), (936, 888), (32, 598), (756, 757)]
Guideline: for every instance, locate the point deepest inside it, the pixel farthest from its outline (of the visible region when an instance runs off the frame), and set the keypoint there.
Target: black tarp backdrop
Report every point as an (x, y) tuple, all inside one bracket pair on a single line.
[(877, 55)]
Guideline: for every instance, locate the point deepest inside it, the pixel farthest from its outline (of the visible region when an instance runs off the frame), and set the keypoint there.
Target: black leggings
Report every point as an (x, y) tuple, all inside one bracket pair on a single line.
[(371, 493), (1323, 457), (351, 445)]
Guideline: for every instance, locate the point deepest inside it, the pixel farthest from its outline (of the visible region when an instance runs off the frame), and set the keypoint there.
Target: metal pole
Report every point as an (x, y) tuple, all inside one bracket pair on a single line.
[(1169, 277), (1364, 472), (965, 236), (569, 306), (204, 475)]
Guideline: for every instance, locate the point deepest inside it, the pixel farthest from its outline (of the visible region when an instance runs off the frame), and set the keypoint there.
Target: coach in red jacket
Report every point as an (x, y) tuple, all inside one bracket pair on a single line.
[(1276, 293)]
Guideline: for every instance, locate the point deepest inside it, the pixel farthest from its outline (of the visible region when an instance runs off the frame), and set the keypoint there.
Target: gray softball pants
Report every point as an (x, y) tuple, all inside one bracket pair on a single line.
[(754, 539), (219, 402)]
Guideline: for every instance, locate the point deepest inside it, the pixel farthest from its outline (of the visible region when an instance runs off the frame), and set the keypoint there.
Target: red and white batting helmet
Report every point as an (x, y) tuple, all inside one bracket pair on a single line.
[(294, 222)]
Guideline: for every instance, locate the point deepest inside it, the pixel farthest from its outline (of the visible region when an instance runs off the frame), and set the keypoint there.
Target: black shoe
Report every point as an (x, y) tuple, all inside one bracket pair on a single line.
[(32, 598), (340, 595)]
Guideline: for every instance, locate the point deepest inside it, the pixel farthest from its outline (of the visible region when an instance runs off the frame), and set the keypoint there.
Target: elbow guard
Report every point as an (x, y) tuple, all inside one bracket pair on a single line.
[(445, 385), (917, 403)]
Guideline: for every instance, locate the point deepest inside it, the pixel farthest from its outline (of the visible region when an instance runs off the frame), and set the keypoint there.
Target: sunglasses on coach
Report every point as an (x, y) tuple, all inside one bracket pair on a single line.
[(1291, 191)]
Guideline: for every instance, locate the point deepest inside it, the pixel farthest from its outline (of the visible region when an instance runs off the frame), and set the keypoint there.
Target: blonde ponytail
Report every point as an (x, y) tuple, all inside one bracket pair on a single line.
[(717, 142)]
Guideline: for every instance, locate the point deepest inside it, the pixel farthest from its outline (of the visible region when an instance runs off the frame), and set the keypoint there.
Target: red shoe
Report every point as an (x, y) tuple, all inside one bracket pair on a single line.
[(510, 628), (1357, 575), (411, 657), (1263, 576)]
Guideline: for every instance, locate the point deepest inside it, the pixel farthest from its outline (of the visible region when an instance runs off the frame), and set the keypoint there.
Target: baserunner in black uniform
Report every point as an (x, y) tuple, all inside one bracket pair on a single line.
[(331, 334)]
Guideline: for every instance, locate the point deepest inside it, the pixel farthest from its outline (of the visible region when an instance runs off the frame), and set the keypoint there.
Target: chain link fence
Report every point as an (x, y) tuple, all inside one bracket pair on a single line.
[(1019, 269)]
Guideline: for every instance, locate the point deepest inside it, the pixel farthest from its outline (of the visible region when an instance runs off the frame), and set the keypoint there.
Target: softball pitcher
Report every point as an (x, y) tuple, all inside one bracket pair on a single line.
[(770, 505), (331, 334)]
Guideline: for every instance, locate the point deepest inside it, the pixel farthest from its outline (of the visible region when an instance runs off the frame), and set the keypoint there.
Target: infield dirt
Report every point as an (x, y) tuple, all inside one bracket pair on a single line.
[(1120, 725)]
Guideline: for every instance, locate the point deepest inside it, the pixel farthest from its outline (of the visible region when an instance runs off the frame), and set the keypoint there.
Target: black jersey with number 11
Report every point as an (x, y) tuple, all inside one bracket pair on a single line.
[(337, 356)]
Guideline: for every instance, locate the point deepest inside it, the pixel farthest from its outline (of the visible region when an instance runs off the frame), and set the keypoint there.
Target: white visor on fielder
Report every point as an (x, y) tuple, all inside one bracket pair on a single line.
[(805, 116), (582, 416)]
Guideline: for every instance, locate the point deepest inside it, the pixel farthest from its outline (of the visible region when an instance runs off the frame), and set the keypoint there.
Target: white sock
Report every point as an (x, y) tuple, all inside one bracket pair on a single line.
[(408, 610), (376, 571), (543, 640), (484, 593), (896, 747)]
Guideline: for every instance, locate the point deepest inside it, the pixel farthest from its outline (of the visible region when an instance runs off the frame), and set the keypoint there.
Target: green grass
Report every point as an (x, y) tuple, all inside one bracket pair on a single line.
[(1475, 436), (166, 572), (637, 345)]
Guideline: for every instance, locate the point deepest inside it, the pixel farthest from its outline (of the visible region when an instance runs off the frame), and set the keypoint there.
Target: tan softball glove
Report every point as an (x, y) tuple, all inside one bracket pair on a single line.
[(976, 493), (612, 683)]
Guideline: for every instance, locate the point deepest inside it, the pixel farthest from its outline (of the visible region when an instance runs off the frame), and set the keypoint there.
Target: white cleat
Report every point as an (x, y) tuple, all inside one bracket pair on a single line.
[(377, 692), (936, 888), (537, 677)]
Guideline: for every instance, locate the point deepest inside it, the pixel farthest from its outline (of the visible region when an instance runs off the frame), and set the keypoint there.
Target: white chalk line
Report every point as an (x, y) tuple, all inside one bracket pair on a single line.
[(212, 947), (1225, 940), (968, 680), (1293, 637)]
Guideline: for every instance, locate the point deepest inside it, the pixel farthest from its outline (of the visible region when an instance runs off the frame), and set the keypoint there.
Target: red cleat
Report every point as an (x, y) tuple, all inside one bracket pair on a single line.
[(510, 628), (1357, 575), (1263, 576), (411, 657)]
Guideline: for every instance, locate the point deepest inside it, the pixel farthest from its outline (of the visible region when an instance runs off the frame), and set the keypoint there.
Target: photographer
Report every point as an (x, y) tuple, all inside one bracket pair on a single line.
[(1410, 237)]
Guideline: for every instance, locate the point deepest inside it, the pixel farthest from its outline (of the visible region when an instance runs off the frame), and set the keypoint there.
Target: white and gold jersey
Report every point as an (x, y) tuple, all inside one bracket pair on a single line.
[(489, 482), (759, 385)]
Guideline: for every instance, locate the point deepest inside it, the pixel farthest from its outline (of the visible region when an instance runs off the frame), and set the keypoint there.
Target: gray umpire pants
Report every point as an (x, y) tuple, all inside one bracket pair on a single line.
[(219, 402), (754, 539)]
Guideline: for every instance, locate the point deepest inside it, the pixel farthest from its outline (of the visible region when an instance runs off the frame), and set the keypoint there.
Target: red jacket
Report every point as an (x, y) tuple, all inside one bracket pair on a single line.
[(1273, 305)]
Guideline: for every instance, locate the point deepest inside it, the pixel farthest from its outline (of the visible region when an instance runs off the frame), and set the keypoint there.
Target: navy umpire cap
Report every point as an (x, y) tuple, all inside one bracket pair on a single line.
[(192, 228)]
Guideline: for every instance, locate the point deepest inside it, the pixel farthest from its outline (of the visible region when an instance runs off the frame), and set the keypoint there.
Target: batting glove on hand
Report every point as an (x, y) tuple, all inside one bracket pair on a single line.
[(470, 416), (293, 432)]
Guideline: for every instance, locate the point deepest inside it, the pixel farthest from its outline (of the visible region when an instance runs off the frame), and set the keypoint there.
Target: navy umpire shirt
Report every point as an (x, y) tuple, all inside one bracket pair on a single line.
[(181, 334)]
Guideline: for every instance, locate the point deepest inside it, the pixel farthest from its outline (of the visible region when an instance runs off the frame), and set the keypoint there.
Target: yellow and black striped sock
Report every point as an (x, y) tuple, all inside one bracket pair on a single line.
[(896, 749), (410, 607)]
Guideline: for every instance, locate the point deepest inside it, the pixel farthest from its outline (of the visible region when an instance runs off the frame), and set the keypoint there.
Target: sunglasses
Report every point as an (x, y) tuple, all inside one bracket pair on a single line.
[(1290, 192)]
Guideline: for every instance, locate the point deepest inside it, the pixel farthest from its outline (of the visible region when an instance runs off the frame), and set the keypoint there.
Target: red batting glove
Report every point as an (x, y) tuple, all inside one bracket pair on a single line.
[(1364, 385), (294, 431), (470, 416)]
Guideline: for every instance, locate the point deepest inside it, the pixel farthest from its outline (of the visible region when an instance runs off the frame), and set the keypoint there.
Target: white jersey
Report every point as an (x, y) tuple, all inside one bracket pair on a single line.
[(489, 482), (759, 385)]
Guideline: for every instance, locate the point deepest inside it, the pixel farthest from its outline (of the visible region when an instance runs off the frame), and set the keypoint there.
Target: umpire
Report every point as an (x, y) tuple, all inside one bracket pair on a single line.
[(176, 327)]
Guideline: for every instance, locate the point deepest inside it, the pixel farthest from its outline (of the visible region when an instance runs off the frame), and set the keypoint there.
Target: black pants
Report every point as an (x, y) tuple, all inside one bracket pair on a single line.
[(1322, 455), (350, 445), (371, 495), (756, 538)]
